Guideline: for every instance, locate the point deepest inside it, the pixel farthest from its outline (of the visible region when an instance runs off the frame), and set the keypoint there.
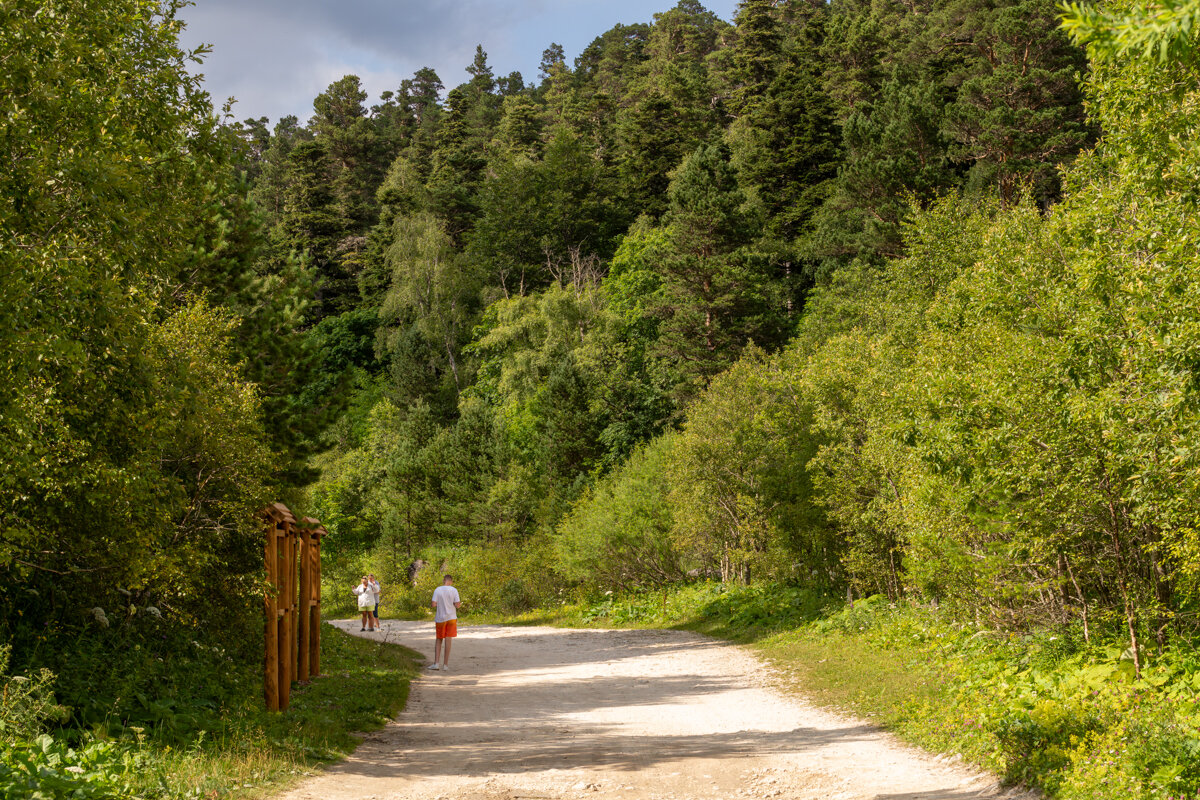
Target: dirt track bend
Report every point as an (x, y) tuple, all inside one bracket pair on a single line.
[(549, 714)]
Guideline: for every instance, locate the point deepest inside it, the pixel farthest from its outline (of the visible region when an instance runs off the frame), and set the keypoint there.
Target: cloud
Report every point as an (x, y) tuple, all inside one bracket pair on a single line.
[(274, 56)]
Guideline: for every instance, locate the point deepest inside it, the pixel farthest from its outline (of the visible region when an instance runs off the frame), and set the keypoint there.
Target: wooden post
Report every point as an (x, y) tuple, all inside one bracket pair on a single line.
[(287, 659), (305, 541), (271, 625), (314, 640)]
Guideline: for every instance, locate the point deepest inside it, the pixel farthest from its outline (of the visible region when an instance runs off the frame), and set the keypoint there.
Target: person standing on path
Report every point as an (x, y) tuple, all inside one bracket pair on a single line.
[(366, 599), (445, 605), (378, 590)]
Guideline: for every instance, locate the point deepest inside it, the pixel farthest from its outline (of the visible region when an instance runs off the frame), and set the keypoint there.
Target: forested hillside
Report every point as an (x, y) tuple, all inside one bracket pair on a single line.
[(521, 286), (860, 298)]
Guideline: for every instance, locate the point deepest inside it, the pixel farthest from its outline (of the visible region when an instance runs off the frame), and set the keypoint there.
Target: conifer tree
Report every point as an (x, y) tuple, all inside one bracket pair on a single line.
[(311, 225), (717, 294), (756, 56), (355, 149)]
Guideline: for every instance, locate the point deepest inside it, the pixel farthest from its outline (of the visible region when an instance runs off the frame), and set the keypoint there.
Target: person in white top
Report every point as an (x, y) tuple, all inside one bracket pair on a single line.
[(366, 602), (445, 604)]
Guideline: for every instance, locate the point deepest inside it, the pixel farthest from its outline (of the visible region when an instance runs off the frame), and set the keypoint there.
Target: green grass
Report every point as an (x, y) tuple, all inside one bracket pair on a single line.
[(243, 753)]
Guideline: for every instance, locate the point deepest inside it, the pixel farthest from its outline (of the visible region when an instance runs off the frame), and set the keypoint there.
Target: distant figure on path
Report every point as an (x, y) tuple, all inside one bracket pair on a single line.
[(366, 602), (375, 587), (445, 603)]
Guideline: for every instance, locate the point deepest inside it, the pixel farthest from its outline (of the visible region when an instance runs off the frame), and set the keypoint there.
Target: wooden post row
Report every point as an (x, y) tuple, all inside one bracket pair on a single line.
[(292, 603)]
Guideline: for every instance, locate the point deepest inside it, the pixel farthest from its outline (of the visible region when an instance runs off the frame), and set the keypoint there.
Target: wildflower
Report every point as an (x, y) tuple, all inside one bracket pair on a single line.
[(100, 617), (154, 612)]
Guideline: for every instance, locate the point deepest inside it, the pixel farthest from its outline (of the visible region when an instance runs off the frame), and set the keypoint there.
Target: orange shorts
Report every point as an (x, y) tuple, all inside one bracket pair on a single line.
[(447, 629)]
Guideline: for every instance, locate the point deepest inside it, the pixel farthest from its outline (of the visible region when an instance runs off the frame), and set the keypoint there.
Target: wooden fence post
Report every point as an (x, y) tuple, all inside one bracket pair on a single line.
[(287, 630), (271, 621), (305, 619), (314, 639)]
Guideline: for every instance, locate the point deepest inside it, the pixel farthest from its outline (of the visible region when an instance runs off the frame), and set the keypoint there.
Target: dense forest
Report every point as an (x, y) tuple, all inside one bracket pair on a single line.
[(873, 298), (633, 322)]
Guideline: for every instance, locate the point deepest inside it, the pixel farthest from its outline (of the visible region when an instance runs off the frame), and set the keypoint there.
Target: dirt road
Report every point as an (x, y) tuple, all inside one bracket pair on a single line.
[(543, 713)]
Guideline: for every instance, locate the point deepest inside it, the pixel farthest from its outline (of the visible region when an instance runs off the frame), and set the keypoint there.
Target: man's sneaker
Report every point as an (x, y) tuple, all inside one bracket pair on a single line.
[(434, 666)]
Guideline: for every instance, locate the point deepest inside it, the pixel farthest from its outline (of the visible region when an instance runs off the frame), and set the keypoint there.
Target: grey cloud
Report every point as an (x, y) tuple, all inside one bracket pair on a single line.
[(276, 56)]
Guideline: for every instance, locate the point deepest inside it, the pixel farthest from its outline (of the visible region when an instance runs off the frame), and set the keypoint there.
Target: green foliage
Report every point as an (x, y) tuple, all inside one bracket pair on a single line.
[(717, 291), (138, 449), (1162, 32), (616, 536), (1164, 753), (994, 114), (757, 514), (433, 296), (546, 219), (49, 769)]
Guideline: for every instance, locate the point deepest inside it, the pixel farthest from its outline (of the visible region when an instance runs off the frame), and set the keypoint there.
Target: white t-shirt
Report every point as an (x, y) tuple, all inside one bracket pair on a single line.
[(445, 597)]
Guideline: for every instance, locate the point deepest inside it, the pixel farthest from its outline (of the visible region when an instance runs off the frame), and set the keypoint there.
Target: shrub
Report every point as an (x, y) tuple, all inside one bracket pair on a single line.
[(1038, 743), (617, 537), (26, 703)]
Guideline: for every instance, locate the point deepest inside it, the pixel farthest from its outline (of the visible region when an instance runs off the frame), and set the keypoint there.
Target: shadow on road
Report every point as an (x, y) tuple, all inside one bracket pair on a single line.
[(538, 750), (941, 794)]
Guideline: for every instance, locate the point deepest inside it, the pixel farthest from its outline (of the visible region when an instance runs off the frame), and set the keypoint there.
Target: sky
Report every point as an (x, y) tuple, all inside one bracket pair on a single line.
[(275, 56)]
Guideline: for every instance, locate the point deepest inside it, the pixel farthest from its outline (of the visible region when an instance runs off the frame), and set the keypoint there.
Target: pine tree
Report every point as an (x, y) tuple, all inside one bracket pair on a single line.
[(356, 151), (717, 293), (312, 225), (757, 53), (271, 184), (673, 105), (785, 141)]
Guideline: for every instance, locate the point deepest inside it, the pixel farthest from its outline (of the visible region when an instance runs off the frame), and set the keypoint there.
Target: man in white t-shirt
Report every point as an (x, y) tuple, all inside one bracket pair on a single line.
[(445, 605)]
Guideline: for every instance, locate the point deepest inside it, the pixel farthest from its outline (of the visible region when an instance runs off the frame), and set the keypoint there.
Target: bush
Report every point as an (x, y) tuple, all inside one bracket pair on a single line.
[(765, 606), (1040, 742), (26, 703), (617, 536), (514, 597)]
